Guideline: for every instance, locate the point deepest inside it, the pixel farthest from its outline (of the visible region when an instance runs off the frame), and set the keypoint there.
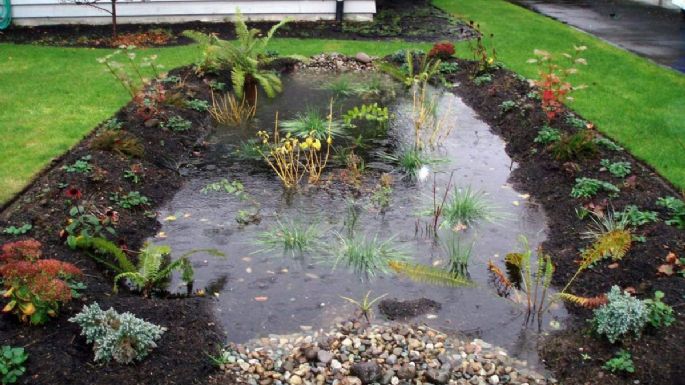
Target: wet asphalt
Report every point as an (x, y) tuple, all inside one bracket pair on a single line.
[(649, 31)]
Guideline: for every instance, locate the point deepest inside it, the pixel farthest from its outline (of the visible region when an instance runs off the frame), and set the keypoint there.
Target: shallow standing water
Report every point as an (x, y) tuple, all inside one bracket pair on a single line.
[(262, 292)]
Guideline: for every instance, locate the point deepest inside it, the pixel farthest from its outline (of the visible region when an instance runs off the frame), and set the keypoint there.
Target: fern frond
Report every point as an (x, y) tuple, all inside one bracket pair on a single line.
[(106, 246), (586, 302), (150, 261), (135, 277), (270, 83), (238, 80), (428, 274), (502, 283), (614, 244)]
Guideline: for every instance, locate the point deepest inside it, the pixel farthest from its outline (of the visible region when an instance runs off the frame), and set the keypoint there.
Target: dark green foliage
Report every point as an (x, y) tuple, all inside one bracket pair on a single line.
[(676, 207), (548, 135), (622, 362), (632, 215), (575, 146), (12, 363), (617, 169), (81, 166), (177, 124), (197, 105), (21, 230), (659, 314), (589, 187), (131, 200)]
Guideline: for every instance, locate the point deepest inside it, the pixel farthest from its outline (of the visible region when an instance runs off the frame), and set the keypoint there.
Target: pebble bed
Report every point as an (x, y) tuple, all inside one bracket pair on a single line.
[(388, 353), (338, 63)]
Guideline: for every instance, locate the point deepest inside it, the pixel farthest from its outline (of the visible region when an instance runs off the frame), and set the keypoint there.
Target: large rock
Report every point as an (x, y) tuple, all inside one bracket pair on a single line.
[(368, 372), (324, 356), (363, 58)]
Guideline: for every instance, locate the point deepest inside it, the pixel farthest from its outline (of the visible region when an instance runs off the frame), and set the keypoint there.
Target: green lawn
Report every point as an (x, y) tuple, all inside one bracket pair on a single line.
[(634, 101), (52, 97)]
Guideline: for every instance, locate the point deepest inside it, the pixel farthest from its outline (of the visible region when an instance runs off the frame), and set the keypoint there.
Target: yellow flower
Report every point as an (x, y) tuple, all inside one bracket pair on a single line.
[(317, 145), (329, 140), (491, 60), (309, 140), (27, 309), (304, 145)]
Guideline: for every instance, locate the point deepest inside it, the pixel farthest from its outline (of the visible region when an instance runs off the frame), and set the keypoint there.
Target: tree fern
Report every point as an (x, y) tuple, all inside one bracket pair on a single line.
[(429, 274)]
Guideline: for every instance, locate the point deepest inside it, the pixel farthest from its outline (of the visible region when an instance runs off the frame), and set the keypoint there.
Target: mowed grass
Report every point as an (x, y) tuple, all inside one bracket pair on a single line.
[(638, 103), (52, 97)]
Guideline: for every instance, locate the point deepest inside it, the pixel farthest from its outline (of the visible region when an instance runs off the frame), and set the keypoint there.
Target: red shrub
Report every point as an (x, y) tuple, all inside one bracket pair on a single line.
[(442, 50)]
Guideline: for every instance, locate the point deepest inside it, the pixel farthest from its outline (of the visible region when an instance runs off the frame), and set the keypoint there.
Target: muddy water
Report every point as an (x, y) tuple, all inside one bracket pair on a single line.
[(259, 292)]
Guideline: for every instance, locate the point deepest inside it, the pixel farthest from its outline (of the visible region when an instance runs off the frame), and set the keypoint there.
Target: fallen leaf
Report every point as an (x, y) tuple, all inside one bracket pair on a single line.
[(666, 270), (613, 266), (672, 258), (312, 276), (431, 316), (515, 203), (170, 218), (161, 234), (524, 196), (305, 327), (261, 298)]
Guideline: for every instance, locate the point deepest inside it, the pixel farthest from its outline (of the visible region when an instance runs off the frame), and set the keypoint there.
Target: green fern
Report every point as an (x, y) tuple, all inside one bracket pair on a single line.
[(429, 274), (105, 246)]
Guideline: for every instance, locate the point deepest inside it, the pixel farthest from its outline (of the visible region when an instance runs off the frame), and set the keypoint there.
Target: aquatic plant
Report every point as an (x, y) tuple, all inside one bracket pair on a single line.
[(234, 187), (429, 128), (227, 110), (341, 87), (123, 337), (292, 236), (365, 306), (367, 256), (465, 207), (429, 274), (409, 160), (457, 255), (367, 112), (313, 123), (416, 69)]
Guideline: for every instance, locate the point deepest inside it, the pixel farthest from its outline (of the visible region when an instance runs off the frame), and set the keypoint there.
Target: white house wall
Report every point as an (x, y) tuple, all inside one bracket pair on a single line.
[(42, 12)]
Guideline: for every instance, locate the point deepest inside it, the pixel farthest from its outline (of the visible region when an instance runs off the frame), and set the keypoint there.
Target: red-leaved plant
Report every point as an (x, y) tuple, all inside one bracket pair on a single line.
[(149, 101), (553, 81), (35, 288), (442, 50)]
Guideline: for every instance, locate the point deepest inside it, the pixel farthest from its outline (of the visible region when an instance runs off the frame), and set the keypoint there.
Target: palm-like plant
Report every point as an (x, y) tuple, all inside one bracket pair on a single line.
[(246, 57)]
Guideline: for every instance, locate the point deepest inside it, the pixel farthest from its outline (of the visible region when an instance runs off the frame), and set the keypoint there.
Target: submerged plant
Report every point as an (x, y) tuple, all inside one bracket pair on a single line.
[(367, 256), (457, 255), (292, 236), (365, 306), (429, 128), (341, 87), (367, 112), (234, 188), (410, 160)]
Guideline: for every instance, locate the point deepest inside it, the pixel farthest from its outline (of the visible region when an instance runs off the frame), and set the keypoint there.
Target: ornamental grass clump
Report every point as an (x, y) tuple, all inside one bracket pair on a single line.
[(35, 288), (123, 337)]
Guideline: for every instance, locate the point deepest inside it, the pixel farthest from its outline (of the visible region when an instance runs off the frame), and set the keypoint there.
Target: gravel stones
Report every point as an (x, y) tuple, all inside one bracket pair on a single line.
[(386, 354), (337, 63)]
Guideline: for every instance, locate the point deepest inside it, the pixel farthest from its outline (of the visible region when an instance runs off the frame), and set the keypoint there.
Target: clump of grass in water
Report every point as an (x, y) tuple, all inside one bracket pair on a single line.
[(313, 122), (466, 207), (291, 236), (367, 256), (458, 256), (410, 160), (340, 87)]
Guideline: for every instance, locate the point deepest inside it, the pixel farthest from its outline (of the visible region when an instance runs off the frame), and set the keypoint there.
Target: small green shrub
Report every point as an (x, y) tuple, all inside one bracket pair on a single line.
[(547, 135), (448, 68), (482, 79), (113, 124), (129, 201), (12, 363), (617, 169), (635, 217), (21, 230), (507, 106), (576, 122), (589, 187), (622, 362), (676, 208), (123, 337), (659, 314), (608, 144), (575, 146), (177, 124), (622, 315), (81, 166), (197, 105)]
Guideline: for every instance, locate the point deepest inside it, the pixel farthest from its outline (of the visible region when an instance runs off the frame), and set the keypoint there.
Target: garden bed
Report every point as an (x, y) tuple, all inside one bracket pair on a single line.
[(176, 166), (412, 21)]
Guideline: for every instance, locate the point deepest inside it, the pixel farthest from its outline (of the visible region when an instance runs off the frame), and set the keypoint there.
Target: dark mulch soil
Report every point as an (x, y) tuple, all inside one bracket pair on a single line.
[(658, 354), (58, 355), (395, 309), (415, 21)]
